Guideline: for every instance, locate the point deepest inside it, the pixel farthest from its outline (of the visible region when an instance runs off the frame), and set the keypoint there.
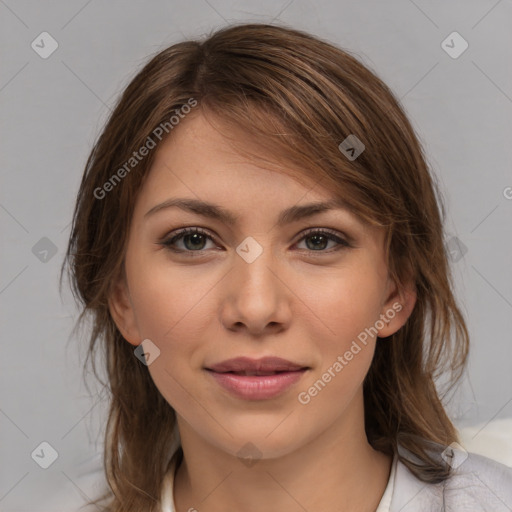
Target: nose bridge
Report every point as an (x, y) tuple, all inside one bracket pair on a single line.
[(255, 262), (256, 297)]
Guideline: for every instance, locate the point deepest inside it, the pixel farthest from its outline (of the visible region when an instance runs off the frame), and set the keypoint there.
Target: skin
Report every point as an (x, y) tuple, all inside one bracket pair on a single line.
[(303, 304)]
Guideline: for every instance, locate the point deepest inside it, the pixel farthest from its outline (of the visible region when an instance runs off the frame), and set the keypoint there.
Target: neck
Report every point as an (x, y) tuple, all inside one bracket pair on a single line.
[(335, 471)]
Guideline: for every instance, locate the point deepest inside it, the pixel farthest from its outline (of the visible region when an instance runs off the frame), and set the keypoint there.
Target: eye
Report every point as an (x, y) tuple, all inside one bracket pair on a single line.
[(194, 240), (321, 237)]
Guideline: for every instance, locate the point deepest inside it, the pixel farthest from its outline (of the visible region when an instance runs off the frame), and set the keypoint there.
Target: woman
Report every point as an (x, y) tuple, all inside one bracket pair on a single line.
[(259, 241)]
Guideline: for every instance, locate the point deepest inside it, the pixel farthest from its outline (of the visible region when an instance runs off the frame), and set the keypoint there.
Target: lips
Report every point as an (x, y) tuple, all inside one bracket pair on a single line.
[(256, 379), (263, 366), (247, 373)]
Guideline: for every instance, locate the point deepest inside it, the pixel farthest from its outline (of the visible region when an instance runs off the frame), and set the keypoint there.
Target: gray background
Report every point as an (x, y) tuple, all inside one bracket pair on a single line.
[(53, 108)]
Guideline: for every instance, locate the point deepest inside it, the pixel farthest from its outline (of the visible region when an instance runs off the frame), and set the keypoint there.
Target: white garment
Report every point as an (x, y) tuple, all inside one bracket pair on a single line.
[(478, 484), (385, 501)]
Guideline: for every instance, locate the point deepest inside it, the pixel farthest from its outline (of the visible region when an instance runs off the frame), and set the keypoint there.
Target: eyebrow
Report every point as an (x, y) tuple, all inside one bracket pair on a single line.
[(213, 211)]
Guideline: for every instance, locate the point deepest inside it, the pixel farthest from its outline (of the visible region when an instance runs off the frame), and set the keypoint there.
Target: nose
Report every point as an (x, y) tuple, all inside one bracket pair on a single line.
[(256, 297)]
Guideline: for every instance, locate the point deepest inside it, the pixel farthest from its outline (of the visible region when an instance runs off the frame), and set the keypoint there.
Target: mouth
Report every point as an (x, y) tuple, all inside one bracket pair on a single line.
[(251, 373), (261, 379), (263, 366)]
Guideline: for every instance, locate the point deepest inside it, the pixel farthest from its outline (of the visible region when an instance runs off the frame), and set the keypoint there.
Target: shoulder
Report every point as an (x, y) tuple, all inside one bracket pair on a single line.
[(477, 484)]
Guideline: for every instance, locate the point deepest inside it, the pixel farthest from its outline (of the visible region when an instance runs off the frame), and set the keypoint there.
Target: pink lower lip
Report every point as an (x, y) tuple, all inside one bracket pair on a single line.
[(257, 387)]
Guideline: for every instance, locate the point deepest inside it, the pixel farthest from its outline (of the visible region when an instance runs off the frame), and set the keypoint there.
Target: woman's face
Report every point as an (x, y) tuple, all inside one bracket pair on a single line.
[(266, 285)]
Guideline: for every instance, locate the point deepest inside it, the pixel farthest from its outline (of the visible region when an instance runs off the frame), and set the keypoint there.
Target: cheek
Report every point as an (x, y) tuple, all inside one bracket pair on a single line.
[(170, 301), (346, 353), (346, 304), (174, 309), (348, 307)]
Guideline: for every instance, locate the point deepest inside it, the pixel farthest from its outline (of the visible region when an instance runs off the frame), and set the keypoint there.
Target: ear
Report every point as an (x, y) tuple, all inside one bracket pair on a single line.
[(122, 312), (397, 308)]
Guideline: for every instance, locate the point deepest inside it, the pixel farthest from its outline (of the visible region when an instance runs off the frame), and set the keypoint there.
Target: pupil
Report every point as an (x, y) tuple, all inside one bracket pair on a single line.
[(195, 236), (315, 245)]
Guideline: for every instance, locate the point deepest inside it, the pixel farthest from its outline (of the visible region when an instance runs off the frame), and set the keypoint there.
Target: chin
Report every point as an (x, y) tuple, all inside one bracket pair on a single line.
[(253, 439)]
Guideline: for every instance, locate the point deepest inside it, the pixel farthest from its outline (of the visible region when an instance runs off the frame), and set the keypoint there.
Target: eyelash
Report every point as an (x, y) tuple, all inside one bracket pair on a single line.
[(331, 235)]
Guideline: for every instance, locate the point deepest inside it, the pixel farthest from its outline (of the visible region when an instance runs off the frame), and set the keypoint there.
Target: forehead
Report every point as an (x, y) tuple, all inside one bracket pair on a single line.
[(200, 160)]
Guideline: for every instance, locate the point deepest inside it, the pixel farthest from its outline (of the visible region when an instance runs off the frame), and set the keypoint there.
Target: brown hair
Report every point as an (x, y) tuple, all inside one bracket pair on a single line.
[(297, 97)]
